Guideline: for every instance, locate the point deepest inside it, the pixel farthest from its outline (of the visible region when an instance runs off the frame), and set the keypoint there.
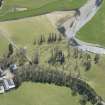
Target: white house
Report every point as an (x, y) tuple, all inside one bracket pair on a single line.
[(1, 89), (8, 84)]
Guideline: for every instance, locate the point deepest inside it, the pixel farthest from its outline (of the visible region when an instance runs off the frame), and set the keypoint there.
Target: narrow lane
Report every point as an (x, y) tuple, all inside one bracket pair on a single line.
[(85, 14)]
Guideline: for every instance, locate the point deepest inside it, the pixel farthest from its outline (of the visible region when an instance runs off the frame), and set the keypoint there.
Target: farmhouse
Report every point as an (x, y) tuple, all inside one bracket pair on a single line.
[(6, 84)]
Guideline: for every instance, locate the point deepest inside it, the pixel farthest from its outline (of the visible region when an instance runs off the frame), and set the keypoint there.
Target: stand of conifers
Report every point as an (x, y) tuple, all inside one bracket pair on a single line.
[(36, 74)]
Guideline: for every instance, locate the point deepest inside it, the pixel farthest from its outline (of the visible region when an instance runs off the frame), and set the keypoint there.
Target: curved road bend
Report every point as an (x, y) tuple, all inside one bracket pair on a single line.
[(73, 25)]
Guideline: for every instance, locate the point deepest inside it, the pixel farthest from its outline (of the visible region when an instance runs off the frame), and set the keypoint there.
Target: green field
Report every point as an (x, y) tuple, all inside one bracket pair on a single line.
[(39, 94), (96, 77), (94, 31), (35, 7), (23, 32), (3, 45)]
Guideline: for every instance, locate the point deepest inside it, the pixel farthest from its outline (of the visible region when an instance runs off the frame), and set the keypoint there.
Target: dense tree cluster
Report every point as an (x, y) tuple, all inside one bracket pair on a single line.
[(57, 57), (21, 55), (37, 74), (5, 61), (52, 37)]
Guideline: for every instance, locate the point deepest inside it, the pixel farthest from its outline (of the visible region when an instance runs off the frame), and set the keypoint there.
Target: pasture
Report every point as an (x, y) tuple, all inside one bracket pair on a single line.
[(94, 31), (23, 32), (39, 94), (15, 9)]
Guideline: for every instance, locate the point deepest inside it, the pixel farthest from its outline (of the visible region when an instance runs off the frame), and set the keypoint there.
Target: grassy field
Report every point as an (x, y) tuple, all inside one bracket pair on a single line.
[(24, 31), (39, 94), (94, 31), (96, 77), (3, 45), (35, 7)]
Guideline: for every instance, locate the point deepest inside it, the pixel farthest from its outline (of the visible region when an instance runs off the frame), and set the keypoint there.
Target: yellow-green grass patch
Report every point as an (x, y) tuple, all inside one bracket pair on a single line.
[(39, 94), (23, 32)]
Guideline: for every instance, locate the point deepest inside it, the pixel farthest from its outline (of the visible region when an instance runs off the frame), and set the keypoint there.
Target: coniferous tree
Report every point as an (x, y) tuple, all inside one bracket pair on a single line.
[(49, 38), (55, 37), (10, 48), (87, 65), (97, 58), (59, 37), (36, 58)]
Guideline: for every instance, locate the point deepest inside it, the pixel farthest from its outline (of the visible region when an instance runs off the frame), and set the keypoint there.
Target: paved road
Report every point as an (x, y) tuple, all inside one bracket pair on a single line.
[(84, 15)]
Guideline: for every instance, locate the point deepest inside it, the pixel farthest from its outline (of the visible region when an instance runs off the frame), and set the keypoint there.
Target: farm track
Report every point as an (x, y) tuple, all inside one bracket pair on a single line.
[(85, 14)]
